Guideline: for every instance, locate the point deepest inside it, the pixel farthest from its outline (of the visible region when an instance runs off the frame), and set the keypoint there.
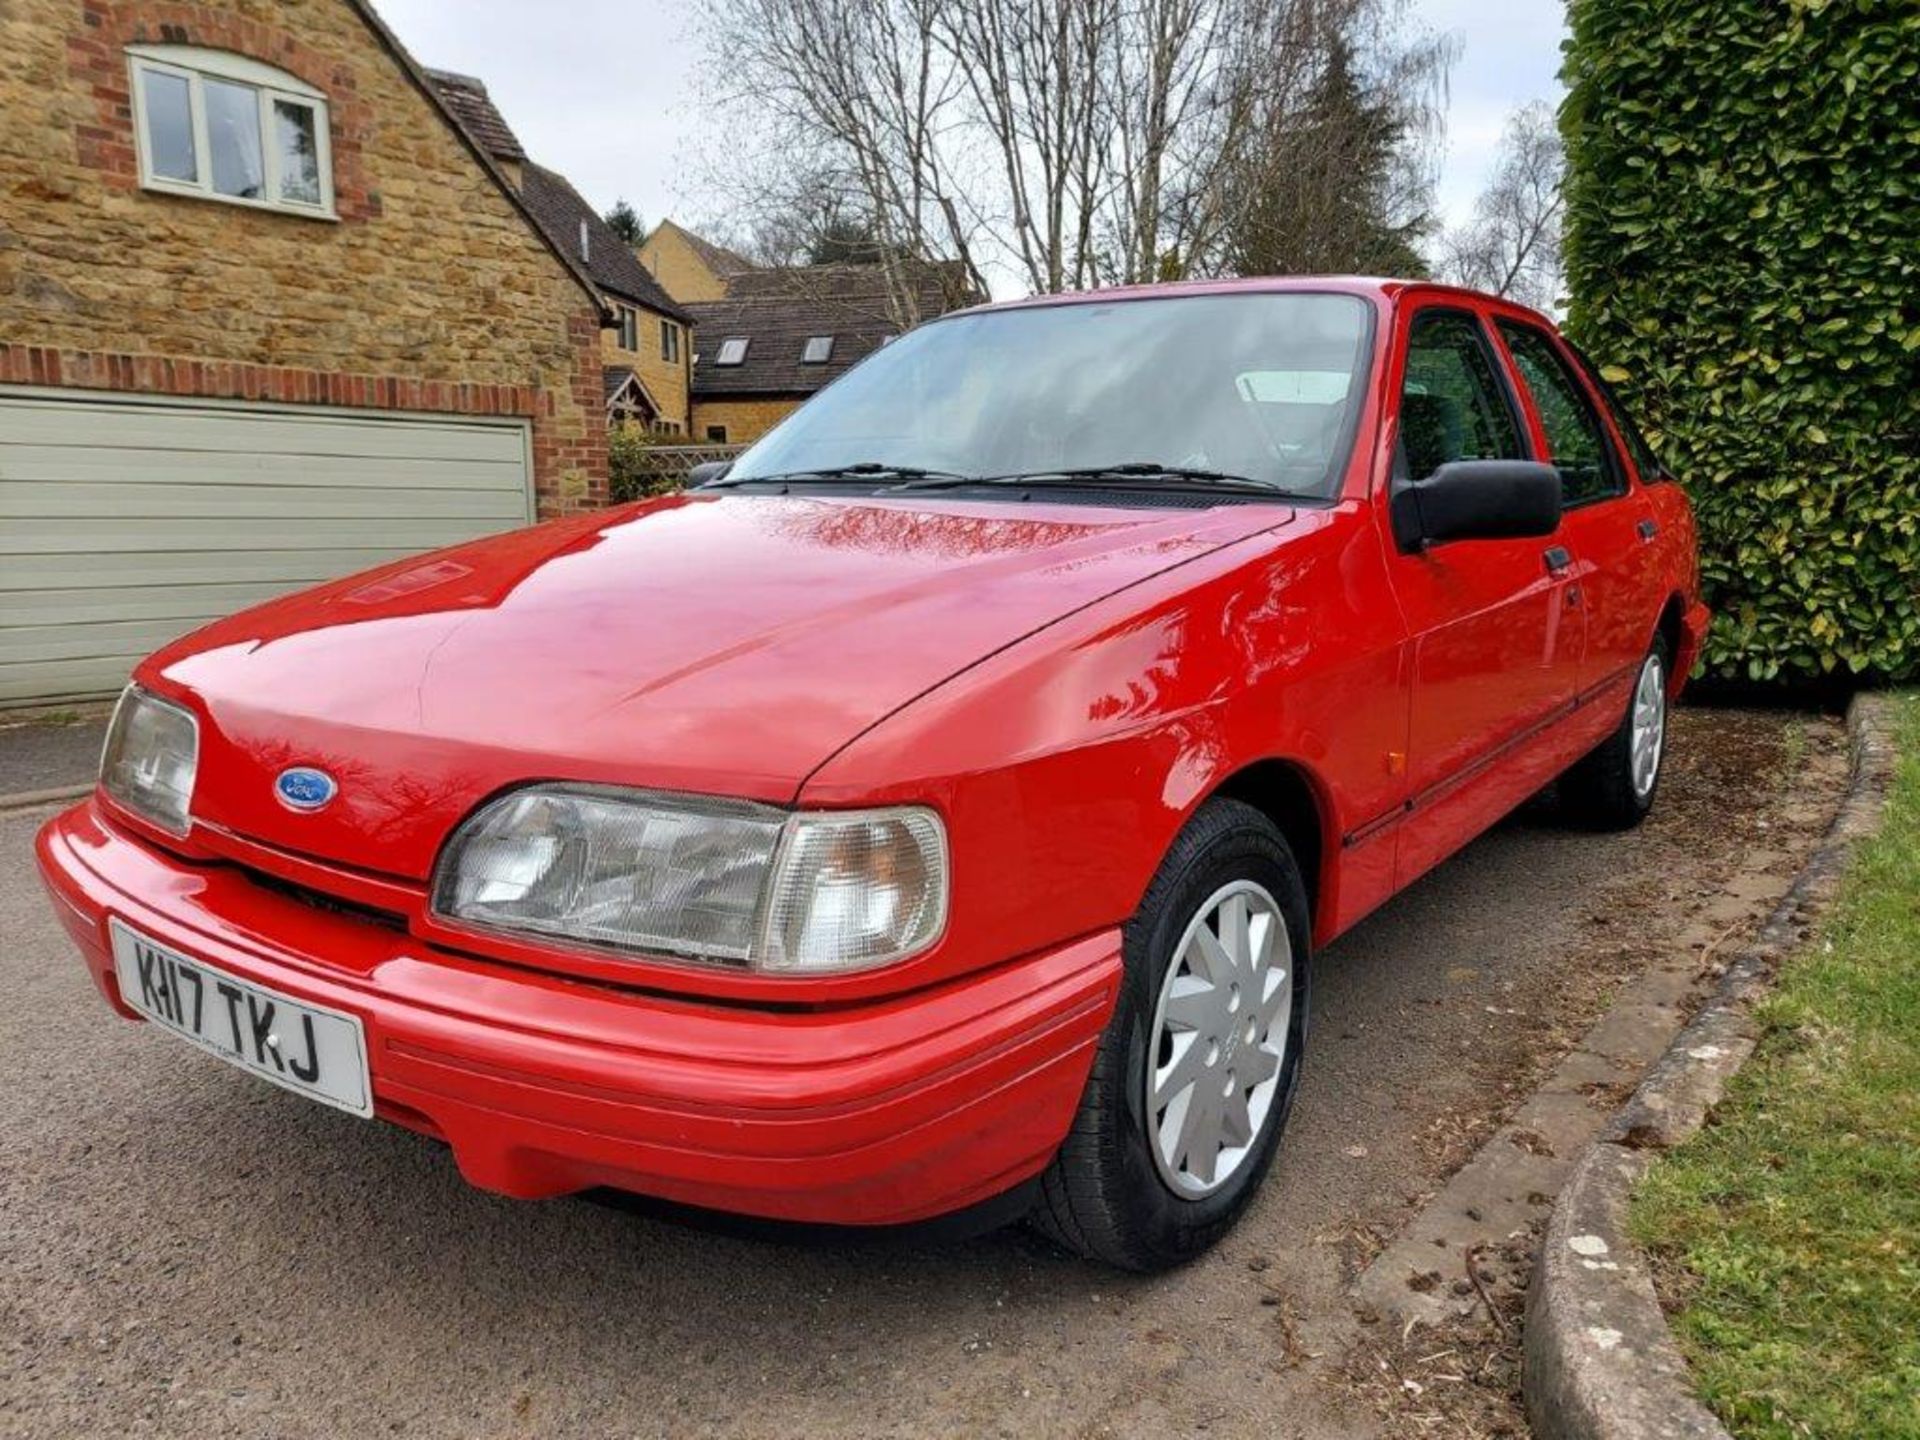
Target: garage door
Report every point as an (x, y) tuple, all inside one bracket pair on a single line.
[(125, 523)]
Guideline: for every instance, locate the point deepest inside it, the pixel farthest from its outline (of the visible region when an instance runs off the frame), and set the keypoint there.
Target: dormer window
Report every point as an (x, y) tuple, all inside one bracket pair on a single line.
[(733, 351), (819, 350), (223, 127)]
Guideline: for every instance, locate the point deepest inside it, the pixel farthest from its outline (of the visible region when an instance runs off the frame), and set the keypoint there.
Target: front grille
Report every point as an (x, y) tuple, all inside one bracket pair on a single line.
[(320, 900)]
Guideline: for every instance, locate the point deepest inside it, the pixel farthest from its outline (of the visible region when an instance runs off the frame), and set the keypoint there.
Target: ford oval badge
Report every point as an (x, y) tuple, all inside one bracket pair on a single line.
[(304, 788)]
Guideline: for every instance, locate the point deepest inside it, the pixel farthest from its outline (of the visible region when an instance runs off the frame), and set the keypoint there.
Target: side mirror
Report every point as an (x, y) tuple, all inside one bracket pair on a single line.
[(707, 470), (1477, 500)]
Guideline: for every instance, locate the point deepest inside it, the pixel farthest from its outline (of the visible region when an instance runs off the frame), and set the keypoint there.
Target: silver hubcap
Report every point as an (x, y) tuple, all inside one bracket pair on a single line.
[(1649, 726), (1219, 1037)]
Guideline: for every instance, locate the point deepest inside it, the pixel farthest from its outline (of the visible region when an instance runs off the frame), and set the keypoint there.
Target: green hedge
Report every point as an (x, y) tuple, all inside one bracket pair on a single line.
[(633, 470), (1743, 256)]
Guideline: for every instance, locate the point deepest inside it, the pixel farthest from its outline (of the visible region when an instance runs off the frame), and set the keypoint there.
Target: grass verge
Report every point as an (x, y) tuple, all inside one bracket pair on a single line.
[(1788, 1230)]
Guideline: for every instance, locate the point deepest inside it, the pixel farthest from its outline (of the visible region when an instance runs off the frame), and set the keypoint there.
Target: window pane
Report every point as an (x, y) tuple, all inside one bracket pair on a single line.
[(1452, 408), (818, 351), (1644, 460), (1148, 381), (169, 126), (1574, 439), (233, 137), (298, 150)]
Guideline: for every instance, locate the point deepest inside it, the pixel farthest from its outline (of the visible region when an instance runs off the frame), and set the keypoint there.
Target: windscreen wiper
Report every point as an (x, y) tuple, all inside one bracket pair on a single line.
[(910, 474), (1149, 474)]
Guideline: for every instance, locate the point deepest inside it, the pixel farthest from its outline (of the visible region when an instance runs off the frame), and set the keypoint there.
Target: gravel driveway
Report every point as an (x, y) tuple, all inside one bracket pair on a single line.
[(185, 1251)]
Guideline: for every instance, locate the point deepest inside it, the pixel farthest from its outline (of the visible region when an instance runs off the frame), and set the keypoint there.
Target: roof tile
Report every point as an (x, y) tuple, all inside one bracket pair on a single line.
[(777, 310), (467, 98), (561, 210)]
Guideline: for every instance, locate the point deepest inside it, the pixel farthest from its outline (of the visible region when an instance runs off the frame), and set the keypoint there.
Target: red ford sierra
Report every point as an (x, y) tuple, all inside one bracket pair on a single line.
[(942, 806)]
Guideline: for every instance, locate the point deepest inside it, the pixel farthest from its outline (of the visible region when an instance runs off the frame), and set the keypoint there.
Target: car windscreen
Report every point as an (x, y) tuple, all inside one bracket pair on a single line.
[(1265, 385)]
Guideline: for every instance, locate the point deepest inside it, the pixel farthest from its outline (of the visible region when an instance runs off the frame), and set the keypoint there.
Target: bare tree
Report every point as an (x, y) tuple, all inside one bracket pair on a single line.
[(852, 98), (1511, 246), (1073, 142), (1028, 70)]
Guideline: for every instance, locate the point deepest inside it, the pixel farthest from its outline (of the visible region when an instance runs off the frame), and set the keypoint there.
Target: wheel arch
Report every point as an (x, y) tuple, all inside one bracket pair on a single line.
[(1293, 798), (1672, 627)]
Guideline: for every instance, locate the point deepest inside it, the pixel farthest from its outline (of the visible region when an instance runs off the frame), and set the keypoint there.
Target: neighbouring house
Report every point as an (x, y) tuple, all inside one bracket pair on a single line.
[(690, 267), (269, 312), (647, 353), (780, 334)]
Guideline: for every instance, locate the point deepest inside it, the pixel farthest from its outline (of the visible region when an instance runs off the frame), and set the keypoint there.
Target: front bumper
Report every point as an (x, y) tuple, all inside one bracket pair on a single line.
[(877, 1113)]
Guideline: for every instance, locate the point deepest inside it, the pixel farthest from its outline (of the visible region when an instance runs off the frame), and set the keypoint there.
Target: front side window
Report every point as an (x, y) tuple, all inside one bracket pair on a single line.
[(817, 351), (1576, 444), (225, 127), (1452, 404), (717, 434), (629, 328), (669, 341), (1262, 385), (733, 351)]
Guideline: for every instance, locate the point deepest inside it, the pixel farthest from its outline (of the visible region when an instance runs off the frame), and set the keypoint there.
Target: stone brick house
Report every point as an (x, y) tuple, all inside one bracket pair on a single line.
[(690, 267), (268, 312), (647, 352)]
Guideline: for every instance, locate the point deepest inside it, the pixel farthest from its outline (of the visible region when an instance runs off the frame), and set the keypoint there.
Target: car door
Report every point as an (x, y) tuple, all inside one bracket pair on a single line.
[(1607, 520), (1496, 642)]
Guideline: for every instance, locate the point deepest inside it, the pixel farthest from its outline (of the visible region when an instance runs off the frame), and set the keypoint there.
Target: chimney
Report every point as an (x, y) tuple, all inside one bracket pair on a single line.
[(476, 114)]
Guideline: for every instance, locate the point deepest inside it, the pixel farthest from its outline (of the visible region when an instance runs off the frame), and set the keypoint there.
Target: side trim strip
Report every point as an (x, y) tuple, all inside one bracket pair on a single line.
[(1470, 771)]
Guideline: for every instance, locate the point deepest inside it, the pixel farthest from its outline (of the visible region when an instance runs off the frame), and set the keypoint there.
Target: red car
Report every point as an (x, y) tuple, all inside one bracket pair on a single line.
[(943, 805)]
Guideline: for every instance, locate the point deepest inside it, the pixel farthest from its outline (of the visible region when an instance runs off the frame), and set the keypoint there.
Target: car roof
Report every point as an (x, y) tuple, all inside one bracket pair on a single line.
[(1383, 289)]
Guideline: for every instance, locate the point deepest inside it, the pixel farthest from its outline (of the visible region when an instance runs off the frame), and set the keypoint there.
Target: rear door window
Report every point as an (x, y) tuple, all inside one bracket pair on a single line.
[(1576, 440), (1644, 460)]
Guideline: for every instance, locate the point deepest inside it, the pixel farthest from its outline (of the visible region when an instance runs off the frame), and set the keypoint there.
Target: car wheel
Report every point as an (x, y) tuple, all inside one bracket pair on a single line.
[(1613, 787), (1196, 1072)]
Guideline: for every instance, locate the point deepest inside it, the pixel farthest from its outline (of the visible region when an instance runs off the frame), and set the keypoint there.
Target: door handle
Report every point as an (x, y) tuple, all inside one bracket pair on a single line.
[(1557, 560), (1648, 529)]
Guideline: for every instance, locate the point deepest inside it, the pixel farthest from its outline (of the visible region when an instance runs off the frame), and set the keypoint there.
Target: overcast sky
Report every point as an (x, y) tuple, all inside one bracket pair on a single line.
[(602, 90)]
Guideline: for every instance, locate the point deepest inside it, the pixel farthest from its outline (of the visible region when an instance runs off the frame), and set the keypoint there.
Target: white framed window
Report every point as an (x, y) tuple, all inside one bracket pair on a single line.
[(733, 351), (669, 341), (629, 327), (818, 350), (223, 127)]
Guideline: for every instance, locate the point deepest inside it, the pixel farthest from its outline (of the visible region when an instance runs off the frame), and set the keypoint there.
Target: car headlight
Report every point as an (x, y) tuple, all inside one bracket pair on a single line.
[(716, 880), (151, 755)]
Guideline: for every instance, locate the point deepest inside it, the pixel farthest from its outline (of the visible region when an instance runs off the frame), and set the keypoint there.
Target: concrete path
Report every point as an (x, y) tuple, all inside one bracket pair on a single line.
[(185, 1251), (49, 755)]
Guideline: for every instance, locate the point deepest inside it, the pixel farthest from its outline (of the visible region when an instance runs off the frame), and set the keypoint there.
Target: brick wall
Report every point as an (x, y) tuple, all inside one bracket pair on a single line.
[(678, 266), (746, 419), (430, 292), (665, 380)]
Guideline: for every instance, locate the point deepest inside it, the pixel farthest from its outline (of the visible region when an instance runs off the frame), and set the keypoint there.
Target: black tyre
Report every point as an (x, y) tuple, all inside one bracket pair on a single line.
[(1196, 1073), (1613, 787)]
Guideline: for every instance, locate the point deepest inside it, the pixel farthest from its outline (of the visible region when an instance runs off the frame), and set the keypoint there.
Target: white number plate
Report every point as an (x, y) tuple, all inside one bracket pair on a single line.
[(307, 1049)]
